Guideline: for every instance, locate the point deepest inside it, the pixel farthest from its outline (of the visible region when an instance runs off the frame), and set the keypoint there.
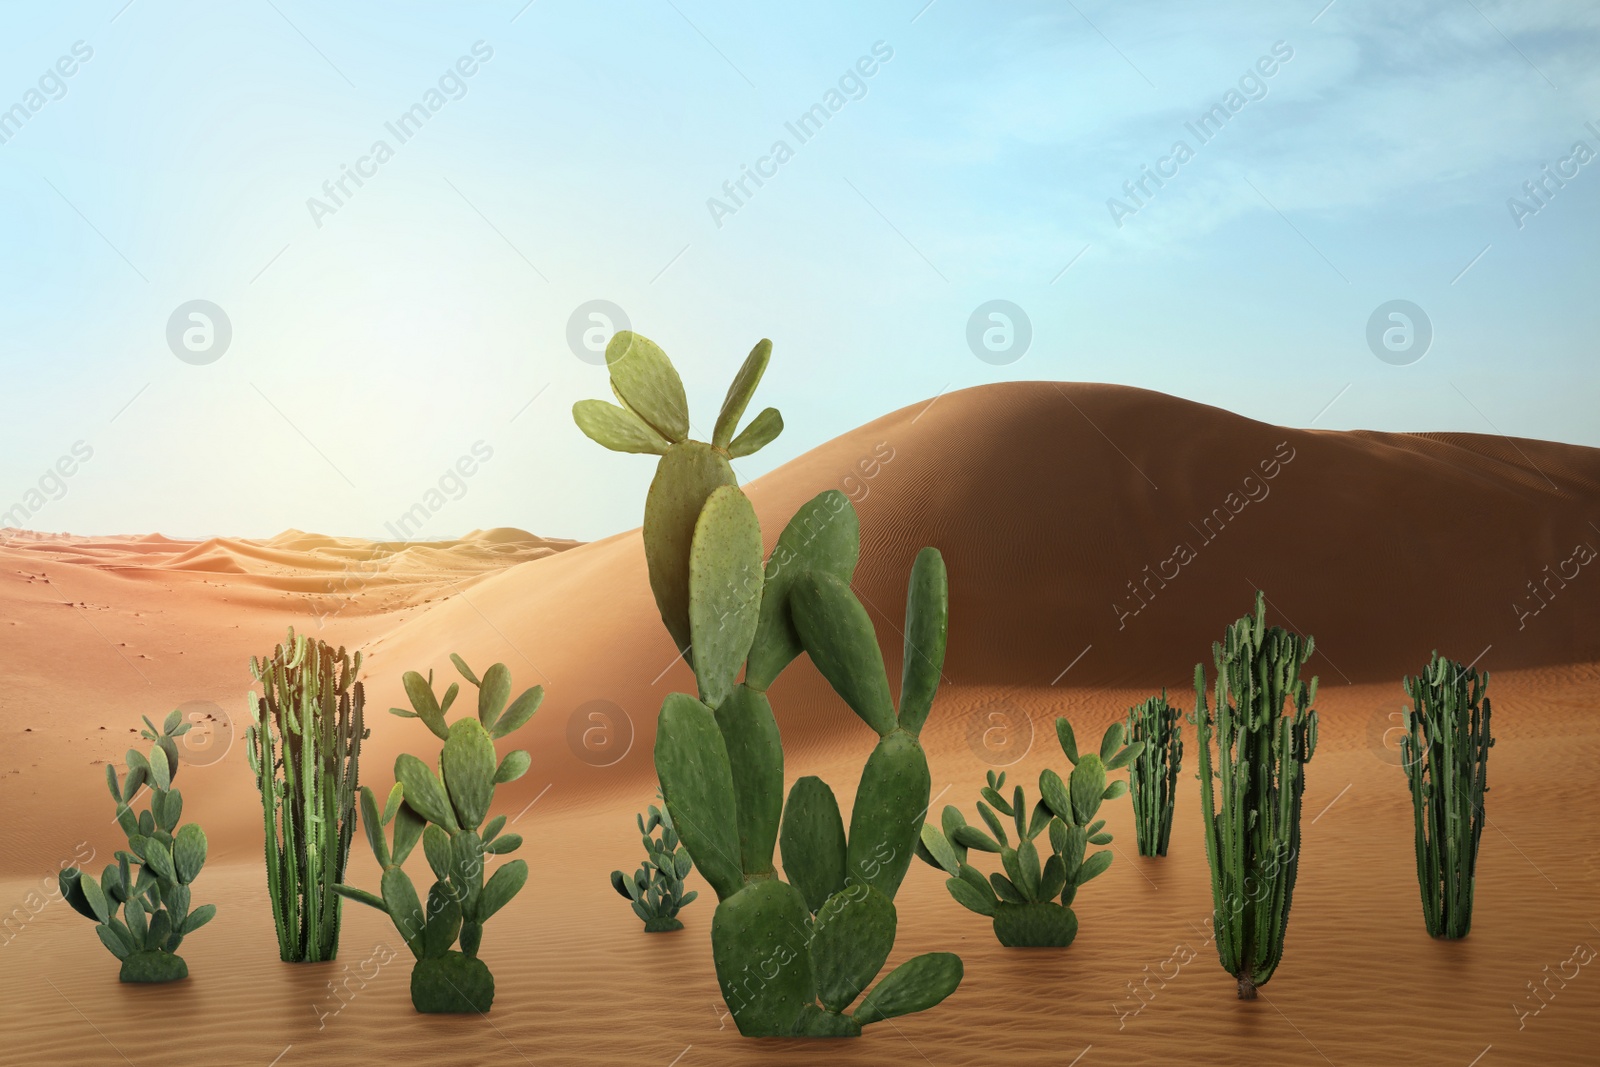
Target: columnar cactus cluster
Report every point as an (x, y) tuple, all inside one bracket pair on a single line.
[(656, 889), (1253, 837), (446, 812), (1445, 752), (1022, 901), (791, 956), (1153, 777), (304, 748), (154, 900)]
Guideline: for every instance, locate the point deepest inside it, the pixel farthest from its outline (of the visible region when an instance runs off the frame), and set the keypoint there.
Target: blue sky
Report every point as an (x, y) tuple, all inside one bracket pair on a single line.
[(374, 344)]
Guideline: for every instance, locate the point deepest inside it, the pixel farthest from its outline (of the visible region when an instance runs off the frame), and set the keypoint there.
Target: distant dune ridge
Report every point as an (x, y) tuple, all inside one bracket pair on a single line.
[(1134, 524), (1098, 539)]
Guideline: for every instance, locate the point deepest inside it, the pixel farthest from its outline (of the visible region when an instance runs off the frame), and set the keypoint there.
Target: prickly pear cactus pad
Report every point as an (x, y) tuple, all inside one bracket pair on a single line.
[(446, 811), (452, 984), (656, 890), (142, 902), (1265, 732), (304, 748), (1030, 902), (792, 956)]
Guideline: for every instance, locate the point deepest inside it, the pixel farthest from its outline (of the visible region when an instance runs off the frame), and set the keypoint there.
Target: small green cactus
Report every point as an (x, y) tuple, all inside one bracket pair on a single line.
[(656, 889), (1153, 777), (304, 748), (1445, 753), (446, 812), (791, 956), (1253, 838), (154, 900), (1022, 901)]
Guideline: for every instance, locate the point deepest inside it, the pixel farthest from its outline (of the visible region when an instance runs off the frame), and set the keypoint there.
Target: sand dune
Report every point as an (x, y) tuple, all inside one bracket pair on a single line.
[(1098, 538), (1048, 501)]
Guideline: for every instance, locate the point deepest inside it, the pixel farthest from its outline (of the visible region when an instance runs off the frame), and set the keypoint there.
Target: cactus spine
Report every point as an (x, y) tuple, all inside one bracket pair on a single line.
[(154, 902), (446, 812), (1022, 900), (1445, 753), (1153, 777), (656, 889), (1253, 839), (304, 747), (791, 956)]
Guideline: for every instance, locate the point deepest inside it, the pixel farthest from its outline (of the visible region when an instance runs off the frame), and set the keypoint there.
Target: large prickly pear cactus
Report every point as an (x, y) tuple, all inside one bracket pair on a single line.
[(153, 901), (446, 812), (1253, 840), (791, 956), (1023, 901), (656, 890), (1446, 758), (1153, 777), (304, 747)]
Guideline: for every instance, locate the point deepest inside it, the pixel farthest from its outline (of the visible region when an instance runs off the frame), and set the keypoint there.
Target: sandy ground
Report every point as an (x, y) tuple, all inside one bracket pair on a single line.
[(1048, 501)]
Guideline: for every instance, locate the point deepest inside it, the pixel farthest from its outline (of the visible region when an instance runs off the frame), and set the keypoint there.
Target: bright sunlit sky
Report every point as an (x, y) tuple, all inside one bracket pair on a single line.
[(378, 338)]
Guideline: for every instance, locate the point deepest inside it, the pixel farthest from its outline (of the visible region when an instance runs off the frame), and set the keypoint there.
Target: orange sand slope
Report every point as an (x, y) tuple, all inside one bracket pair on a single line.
[(1098, 539), (1058, 507)]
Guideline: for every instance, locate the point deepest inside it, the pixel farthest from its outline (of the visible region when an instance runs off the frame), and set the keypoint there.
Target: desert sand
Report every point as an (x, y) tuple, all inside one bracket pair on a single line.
[(1098, 539)]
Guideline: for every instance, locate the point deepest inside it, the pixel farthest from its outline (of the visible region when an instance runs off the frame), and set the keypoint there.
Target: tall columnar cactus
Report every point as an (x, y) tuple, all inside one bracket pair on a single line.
[(304, 747), (1253, 840), (1022, 901), (1446, 757), (446, 812), (1154, 775), (791, 955), (656, 889), (154, 901)]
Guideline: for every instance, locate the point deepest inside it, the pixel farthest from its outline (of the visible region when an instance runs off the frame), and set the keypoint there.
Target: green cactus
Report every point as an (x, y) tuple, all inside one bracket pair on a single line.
[(446, 812), (656, 889), (304, 748), (1022, 901), (1253, 841), (1153, 777), (1445, 753), (149, 883), (791, 956)]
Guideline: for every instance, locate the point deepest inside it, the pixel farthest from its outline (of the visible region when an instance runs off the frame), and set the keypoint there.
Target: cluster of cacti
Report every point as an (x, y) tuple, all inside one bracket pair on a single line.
[(446, 811), (304, 747), (1445, 753), (656, 889), (1022, 901), (1253, 836), (791, 956), (154, 900), (1153, 777)]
